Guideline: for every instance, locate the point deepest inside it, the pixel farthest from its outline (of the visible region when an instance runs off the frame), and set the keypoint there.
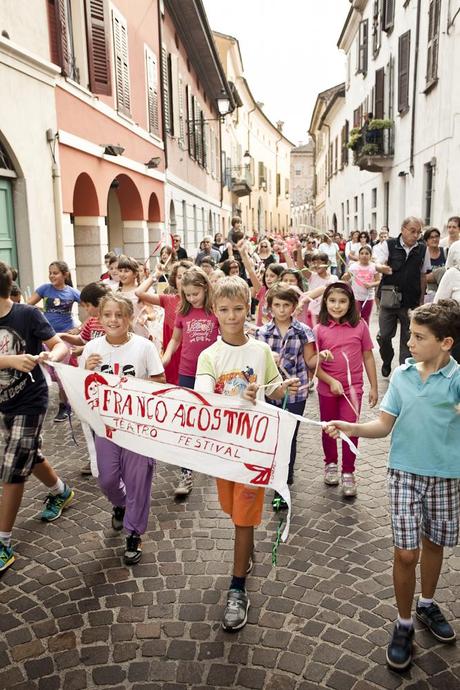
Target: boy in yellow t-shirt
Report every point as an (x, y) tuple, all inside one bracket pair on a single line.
[(238, 365)]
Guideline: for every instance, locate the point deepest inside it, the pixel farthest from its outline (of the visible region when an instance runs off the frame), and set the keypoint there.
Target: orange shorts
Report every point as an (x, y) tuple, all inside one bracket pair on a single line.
[(243, 503)]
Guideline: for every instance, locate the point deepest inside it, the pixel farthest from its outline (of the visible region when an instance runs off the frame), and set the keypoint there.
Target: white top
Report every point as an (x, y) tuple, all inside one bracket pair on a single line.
[(449, 287), (384, 253), (331, 250), (352, 247), (362, 274), (138, 357), (228, 369)]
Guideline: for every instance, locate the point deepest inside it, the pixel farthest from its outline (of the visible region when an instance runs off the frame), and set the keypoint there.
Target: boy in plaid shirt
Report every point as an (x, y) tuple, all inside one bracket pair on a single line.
[(292, 344), (421, 408)]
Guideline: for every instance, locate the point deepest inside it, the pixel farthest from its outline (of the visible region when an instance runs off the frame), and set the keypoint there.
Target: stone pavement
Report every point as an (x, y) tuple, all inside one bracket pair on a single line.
[(73, 616)]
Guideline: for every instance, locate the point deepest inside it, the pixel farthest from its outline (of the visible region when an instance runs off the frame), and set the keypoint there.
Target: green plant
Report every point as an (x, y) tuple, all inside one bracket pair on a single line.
[(355, 130), (355, 140), (380, 124), (369, 150)]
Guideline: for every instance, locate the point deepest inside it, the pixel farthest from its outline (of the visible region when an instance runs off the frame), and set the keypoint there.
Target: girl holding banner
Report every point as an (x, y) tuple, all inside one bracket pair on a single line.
[(125, 477)]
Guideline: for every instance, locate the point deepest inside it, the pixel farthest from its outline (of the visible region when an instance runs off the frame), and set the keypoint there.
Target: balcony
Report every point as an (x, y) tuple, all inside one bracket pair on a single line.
[(241, 181), (372, 148)]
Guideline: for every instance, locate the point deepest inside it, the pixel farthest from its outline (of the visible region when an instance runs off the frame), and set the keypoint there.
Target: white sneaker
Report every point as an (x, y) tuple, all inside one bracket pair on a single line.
[(349, 485), (185, 484), (331, 475)]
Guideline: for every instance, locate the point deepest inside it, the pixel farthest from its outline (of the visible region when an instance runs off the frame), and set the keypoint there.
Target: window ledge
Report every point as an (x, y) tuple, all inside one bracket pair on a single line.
[(429, 86), (403, 111)]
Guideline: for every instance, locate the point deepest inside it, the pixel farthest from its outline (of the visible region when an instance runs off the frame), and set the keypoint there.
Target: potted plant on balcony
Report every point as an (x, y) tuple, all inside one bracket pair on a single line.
[(385, 123), (356, 140)]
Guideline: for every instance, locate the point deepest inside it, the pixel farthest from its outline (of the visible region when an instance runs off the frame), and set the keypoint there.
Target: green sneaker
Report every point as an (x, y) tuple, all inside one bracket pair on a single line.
[(54, 505), (6, 556)]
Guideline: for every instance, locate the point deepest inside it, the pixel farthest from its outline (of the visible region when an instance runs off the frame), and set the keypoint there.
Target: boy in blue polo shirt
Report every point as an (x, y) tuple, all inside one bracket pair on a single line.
[(421, 408)]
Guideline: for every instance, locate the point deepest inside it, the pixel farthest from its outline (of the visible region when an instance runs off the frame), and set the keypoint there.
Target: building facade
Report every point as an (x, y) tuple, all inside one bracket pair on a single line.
[(193, 85), (255, 154), (109, 153), (302, 187), (27, 187), (399, 113)]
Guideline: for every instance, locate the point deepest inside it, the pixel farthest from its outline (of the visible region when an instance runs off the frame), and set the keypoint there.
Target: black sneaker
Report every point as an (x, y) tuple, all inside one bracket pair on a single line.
[(63, 413), (133, 551), (386, 370), (434, 619), (399, 651), (118, 513), (278, 502)]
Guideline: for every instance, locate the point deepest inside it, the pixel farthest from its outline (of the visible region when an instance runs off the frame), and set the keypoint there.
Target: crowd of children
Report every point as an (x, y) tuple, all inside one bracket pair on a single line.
[(192, 326)]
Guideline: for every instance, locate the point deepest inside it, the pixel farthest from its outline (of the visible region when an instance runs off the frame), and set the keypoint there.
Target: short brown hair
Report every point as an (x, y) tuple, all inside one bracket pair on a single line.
[(183, 263), (442, 318), (6, 280), (283, 291)]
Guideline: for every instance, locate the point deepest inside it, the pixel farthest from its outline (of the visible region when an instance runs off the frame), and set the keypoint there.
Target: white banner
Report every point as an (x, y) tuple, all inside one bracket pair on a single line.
[(222, 436)]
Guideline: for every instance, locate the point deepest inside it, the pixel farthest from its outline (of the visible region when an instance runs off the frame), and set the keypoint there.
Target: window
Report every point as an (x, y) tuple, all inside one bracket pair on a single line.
[(388, 15), (363, 46), (98, 47), (120, 48), (166, 86), (429, 172), (152, 92), (298, 168), (182, 114), (379, 94), (184, 219), (403, 72), (344, 141), (376, 28), (433, 43), (336, 154), (374, 197), (190, 122), (386, 203), (356, 204)]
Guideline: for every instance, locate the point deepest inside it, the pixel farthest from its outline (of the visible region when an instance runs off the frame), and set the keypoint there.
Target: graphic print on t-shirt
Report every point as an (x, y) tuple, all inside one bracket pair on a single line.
[(12, 381), (199, 330), (235, 382), (125, 370)]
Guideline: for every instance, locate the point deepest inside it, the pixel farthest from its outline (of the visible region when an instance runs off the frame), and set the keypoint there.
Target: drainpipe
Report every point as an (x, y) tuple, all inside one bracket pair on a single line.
[(327, 157), (52, 138), (160, 48), (414, 89)]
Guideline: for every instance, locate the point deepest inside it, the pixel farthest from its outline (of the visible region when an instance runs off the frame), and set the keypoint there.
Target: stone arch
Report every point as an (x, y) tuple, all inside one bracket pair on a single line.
[(129, 198), (154, 213), (85, 199)]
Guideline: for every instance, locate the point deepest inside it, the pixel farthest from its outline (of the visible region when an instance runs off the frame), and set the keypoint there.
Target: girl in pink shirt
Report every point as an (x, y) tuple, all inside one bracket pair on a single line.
[(170, 303), (345, 336), (196, 328), (364, 279)]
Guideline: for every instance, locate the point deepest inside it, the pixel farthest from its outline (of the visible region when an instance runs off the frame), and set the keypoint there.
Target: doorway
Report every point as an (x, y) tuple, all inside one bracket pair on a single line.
[(8, 250)]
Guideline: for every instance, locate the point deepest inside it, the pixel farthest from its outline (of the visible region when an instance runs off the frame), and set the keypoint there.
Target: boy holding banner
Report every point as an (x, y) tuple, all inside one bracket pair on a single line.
[(238, 365)]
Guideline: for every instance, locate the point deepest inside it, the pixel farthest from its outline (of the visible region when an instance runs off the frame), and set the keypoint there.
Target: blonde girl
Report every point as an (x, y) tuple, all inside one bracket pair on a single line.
[(170, 302), (196, 328), (125, 477)]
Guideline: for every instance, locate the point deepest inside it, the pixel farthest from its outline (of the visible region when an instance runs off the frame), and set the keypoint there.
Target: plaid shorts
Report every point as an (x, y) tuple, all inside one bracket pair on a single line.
[(423, 505), (23, 442)]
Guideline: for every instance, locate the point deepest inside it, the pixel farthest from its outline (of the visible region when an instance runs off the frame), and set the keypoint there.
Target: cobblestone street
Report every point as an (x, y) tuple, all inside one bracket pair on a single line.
[(73, 616)]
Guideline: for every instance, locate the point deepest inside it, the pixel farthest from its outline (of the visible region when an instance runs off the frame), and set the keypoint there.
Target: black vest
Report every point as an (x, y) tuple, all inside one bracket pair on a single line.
[(406, 270)]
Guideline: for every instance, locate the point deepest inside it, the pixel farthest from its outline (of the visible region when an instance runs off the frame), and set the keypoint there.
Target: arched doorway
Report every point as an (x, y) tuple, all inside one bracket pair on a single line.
[(126, 227), (86, 255), (8, 249)]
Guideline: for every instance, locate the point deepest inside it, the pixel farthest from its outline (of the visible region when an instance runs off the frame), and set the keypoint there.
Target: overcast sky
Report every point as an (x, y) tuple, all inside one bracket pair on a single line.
[(289, 50)]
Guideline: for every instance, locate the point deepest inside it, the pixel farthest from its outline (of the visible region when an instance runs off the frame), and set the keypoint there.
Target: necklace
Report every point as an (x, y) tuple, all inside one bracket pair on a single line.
[(123, 343)]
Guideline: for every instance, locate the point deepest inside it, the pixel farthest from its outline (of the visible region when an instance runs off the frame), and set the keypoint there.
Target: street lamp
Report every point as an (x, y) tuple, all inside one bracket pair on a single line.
[(223, 103), (247, 158)]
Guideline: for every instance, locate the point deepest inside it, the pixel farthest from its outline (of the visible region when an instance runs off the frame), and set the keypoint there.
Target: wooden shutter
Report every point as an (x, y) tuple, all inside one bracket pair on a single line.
[(182, 112), (344, 142), (356, 118), (403, 71), (98, 47), (363, 46), (120, 44), (379, 110), (166, 90), (198, 133), (433, 41), (204, 148), (174, 100), (152, 92), (388, 14), (278, 184), (53, 33), (62, 37)]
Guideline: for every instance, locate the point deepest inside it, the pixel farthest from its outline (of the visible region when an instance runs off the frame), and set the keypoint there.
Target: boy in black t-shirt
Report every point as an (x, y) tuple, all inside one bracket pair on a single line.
[(23, 404)]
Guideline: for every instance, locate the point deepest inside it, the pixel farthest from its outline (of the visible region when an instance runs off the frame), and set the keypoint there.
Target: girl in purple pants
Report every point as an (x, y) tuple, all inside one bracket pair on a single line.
[(125, 477)]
